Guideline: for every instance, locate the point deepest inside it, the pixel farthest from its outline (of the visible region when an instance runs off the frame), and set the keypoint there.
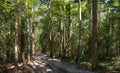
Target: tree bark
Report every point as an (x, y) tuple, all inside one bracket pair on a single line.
[(94, 56), (119, 37), (108, 35), (16, 40), (60, 38), (79, 43), (29, 39), (68, 51), (51, 30), (63, 43), (8, 48), (22, 40), (33, 35)]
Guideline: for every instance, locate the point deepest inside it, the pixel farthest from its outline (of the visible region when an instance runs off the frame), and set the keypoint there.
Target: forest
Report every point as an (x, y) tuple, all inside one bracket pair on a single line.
[(59, 36)]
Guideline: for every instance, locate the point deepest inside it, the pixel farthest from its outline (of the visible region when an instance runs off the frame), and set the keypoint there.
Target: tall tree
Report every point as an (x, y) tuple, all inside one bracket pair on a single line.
[(29, 39), (33, 34), (51, 29), (94, 56), (29, 33), (22, 50), (16, 38), (108, 33), (79, 43), (68, 30)]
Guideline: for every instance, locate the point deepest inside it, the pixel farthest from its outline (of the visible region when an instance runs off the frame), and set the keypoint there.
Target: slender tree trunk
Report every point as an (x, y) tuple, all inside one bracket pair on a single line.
[(33, 42), (0, 49), (108, 35), (33, 34), (8, 48), (29, 39), (119, 39), (111, 52), (8, 44), (16, 40), (90, 25), (79, 43), (3, 44), (64, 44), (68, 32), (94, 56), (29, 30), (51, 30), (60, 37), (99, 24), (22, 46), (22, 40)]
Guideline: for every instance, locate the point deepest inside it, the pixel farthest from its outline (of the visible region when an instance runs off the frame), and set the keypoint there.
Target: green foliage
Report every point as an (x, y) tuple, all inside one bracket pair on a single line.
[(108, 28)]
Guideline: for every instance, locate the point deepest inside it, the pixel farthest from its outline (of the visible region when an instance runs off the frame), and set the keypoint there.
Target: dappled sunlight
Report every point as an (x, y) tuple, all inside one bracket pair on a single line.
[(54, 60), (59, 36), (45, 64), (48, 70), (12, 66), (45, 55), (39, 63)]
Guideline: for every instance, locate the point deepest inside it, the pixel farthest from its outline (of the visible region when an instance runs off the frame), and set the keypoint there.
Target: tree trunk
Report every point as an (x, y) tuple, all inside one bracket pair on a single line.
[(63, 44), (79, 43), (94, 56), (29, 39), (8, 48), (33, 35), (108, 35), (68, 32), (8, 44), (51, 30), (119, 37), (22, 40), (33, 43), (60, 38), (90, 26), (16, 40)]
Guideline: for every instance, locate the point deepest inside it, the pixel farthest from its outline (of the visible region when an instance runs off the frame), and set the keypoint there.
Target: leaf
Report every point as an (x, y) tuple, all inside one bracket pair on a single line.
[(116, 3)]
